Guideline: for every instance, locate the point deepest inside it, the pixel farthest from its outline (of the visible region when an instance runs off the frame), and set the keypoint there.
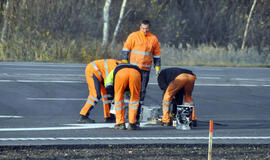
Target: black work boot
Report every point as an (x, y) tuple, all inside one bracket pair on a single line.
[(164, 124), (85, 119), (133, 126), (120, 126), (138, 116), (110, 119), (194, 123)]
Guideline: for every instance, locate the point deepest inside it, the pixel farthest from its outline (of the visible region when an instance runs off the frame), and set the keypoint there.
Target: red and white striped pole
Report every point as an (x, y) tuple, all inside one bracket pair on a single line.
[(210, 140)]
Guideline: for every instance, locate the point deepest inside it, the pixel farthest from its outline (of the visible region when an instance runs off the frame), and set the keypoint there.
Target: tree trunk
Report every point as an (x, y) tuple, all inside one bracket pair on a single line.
[(248, 21), (24, 3), (106, 25), (5, 26), (119, 22)]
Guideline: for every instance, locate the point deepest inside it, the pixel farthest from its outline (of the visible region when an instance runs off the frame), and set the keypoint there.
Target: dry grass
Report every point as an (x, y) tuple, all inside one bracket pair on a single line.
[(206, 55), (81, 51)]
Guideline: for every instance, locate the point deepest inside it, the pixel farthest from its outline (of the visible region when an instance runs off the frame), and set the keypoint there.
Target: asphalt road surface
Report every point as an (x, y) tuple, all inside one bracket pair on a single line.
[(40, 104)]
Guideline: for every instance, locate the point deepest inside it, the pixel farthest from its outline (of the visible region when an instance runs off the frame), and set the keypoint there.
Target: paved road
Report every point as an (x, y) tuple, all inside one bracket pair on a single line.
[(40, 103)]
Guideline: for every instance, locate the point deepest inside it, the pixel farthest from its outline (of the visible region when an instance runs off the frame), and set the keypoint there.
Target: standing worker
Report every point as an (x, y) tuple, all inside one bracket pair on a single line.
[(176, 83), (140, 49), (125, 77), (95, 74)]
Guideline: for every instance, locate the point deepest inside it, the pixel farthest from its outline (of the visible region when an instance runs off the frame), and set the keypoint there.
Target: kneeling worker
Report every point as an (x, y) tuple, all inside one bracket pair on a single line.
[(176, 82), (125, 77)]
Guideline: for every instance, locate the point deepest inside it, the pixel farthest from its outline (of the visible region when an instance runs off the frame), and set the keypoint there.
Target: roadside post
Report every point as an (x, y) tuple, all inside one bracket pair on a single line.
[(210, 140)]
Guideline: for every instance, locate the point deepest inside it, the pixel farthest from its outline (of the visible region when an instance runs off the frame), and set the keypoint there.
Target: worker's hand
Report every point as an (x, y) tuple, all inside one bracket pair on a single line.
[(157, 74), (124, 61), (157, 71), (110, 90)]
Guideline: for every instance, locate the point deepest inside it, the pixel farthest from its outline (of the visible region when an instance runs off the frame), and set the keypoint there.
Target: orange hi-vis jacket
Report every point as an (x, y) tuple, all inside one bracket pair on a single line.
[(140, 50), (103, 67), (95, 74)]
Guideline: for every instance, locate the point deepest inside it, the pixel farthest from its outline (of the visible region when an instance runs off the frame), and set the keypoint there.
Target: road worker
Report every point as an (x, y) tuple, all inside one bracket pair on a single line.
[(140, 49), (95, 74), (125, 77), (176, 83)]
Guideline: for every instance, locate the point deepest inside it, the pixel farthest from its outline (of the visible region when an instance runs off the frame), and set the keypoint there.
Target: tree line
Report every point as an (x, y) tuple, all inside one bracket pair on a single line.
[(75, 28)]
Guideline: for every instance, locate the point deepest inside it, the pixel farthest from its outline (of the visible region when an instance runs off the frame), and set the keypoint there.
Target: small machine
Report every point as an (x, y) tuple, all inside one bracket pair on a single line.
[(151, 114), (182, 117)]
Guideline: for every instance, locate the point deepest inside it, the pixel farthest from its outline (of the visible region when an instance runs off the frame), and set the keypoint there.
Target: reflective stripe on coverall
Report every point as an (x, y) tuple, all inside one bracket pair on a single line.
[(95, 74), (140, 49), (183, 80), (127, 77)]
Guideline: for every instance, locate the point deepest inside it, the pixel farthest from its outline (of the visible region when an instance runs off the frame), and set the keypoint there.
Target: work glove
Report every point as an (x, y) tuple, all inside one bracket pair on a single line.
[(157, 71), (124, 61), (110, 90)]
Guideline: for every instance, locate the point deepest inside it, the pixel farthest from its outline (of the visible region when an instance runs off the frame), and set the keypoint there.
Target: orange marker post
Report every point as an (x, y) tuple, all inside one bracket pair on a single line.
[(210, 140)]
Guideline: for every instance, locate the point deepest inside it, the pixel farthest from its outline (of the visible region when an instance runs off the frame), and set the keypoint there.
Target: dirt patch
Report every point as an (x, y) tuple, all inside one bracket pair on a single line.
[(128, 152)]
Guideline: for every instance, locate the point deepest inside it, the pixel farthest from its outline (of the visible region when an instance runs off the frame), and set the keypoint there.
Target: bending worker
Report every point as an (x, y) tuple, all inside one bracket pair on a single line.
[(95, 74), (125, 77), (140, 49), (176, 83)]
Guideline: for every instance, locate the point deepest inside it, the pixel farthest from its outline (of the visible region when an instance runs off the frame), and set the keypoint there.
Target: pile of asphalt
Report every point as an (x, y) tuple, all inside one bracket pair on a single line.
[(147, 152)]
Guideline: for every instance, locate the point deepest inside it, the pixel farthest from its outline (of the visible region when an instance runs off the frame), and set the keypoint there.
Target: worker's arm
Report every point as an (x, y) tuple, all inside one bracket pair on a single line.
[(157, 56), (97, 86), (108, 82), (125, 55), (162, 82), (128, 45), (157, 68)]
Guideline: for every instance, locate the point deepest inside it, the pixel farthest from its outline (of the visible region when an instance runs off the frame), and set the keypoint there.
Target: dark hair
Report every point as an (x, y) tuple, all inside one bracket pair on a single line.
[(147, 22)]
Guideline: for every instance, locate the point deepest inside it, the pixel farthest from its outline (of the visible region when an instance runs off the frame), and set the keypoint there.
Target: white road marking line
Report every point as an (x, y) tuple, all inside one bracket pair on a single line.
[(225, 85), (143, 124), (131, 138), (56, 99), (52, 128), (209, 77), (63, 99), (6, 116), (70, 127), (40, 81), (250, 79), (38, 74), (234, 85), (197, 68), (150, 83), (66, 65), (41, 69), (5, 80)]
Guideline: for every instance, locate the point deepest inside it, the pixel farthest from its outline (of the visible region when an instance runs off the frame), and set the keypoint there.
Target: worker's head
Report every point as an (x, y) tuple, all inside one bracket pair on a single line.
[(145, 26)]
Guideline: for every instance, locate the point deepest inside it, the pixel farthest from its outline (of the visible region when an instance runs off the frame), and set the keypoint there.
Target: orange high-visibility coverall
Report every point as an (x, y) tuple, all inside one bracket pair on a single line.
[(95, 74), (126, 75), (176, 79), (140, 50)]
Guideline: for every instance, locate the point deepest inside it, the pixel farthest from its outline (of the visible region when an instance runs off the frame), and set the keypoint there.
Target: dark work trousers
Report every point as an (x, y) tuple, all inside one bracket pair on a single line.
[(177, 100), (145, 80)]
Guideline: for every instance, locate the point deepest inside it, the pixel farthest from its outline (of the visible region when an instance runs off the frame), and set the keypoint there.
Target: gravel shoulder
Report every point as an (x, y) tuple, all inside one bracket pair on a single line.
[(144, 152)]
